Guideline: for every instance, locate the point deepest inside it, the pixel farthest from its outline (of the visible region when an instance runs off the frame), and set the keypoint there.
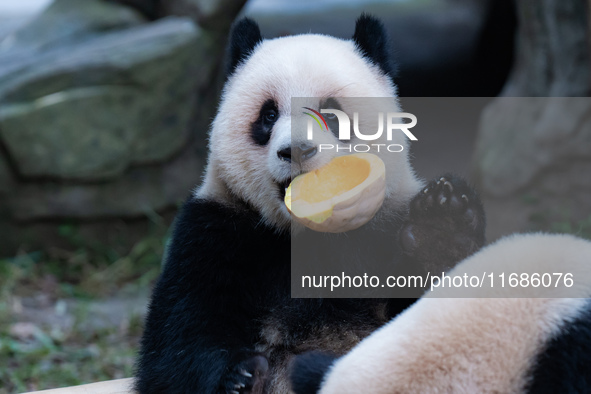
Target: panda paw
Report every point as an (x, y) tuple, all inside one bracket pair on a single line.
[(247, 377), (445, 224)]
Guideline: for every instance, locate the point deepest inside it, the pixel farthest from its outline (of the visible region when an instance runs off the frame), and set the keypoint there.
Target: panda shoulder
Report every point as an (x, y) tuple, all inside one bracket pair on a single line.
[(203, 227)]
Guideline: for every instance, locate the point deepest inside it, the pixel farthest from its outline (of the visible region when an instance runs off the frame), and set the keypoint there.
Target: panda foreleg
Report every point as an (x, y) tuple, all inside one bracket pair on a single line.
[(189, 346), (202, 325), (445, 224)]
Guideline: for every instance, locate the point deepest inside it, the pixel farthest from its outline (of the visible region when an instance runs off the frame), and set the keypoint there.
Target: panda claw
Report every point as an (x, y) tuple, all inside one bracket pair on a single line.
[(239, 386), (443, 193), (446, 207), (234, 392), (245, 373)]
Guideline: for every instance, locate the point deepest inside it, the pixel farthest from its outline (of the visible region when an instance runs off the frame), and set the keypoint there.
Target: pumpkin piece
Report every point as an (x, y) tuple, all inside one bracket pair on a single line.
[(341, 196)]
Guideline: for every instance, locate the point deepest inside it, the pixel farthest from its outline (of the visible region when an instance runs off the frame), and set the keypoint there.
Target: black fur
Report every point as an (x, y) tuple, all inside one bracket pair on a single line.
[(332, 120), (227, 278), (308, 370), (225, 274), (261, 128), (244, 37), (565, 365), (371, 39), (426, 233)]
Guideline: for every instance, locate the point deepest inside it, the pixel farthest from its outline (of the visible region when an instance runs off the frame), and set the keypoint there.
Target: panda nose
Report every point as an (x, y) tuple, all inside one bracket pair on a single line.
[(298, 154)]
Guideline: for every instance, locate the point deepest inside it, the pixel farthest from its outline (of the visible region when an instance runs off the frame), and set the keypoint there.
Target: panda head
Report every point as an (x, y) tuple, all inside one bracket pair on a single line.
[(253, 153)]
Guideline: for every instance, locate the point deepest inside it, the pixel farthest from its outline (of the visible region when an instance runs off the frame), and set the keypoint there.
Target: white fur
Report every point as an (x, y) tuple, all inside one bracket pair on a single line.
[(282, 68), (472, 345)]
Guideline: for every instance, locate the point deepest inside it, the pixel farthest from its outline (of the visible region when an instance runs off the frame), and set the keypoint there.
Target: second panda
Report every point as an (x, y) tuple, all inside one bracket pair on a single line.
[(520, 336), (221, 318)]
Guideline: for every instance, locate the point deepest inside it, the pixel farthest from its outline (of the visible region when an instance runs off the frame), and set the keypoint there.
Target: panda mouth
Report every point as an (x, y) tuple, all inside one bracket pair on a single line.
[(283, 185)]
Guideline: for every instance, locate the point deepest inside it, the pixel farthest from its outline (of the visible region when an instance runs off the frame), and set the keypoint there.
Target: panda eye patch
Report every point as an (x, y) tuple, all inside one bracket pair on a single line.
[(262, 128), (331, 119)]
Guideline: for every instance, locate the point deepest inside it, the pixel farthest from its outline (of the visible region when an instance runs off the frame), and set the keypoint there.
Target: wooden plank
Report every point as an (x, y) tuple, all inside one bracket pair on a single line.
[(119, 386)]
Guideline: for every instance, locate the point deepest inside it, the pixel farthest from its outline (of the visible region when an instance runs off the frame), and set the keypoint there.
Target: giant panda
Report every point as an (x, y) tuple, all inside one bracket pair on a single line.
[(501, 340), (221, 318)]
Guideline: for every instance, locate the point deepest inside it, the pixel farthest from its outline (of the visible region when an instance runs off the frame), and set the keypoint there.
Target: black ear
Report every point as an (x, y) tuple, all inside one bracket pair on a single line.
[(244, 37), (371, 39), (307, 371)]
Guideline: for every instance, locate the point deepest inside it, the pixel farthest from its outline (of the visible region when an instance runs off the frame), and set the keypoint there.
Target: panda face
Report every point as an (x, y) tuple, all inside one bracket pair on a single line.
[(254, 153)]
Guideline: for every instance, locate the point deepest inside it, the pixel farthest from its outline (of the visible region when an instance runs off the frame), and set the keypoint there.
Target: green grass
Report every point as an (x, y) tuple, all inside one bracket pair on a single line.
[(37, 354), (51, 359), (581, 228), (561, 222)]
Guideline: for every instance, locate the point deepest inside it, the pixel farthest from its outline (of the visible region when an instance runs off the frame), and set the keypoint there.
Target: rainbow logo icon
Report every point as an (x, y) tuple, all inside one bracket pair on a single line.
[(316, 118)]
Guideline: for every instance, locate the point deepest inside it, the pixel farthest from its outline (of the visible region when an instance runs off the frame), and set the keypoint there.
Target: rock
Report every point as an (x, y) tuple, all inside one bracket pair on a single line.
[(139, 192), (9, 25), (552, 56), (214, 15), (520, 138), (104, 112), (533, 153), (23, 330), (90, 109), (7, 188), (6, 178), (70, 20), (210, 14), (149, 8)]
